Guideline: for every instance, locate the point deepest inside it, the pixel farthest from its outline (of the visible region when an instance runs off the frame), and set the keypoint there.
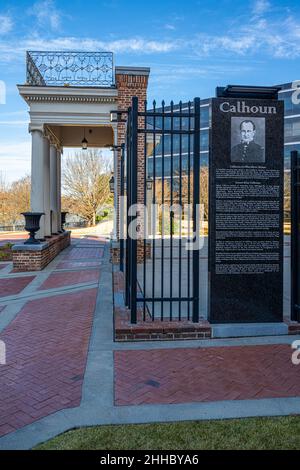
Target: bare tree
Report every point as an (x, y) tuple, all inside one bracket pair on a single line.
[(86, 183), (19, 198), (187, 185), (204, 183), (14, 199), (3, 200), (287, 191), (3, 185)]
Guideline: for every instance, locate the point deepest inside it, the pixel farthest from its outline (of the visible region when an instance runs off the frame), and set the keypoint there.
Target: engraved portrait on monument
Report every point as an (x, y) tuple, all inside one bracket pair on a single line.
[(247, 140)]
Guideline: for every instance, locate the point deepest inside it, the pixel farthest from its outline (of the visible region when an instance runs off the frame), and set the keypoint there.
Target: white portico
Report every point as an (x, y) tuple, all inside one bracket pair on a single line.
[(71, 96), (61, 117)]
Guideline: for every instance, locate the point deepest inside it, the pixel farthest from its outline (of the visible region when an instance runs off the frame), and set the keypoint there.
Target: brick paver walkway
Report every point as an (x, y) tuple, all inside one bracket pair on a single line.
[(47, 341), (46, 355), (70, 278), (77, 264), (205, 374), (14, 285), (85, 253)]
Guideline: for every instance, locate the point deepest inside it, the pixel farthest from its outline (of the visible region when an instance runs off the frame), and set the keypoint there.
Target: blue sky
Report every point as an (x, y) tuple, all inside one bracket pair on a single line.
[(191, 47)]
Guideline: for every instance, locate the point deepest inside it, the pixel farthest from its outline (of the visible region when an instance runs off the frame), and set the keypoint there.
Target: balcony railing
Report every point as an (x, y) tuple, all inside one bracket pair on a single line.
[(84, 69)]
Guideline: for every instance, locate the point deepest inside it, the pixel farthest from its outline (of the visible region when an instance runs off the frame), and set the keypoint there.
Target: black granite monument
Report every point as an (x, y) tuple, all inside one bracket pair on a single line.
[(246, 206)]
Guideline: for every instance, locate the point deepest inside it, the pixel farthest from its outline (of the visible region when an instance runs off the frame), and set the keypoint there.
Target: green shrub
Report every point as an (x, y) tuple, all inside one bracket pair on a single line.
[(99, 218), (168, 223), (8, 245)]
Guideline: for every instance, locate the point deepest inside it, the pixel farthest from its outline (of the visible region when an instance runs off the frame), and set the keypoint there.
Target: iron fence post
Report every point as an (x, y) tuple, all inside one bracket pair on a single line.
[(122, 206), (134, 171), (196, 203), (128, 195), (295, 234)]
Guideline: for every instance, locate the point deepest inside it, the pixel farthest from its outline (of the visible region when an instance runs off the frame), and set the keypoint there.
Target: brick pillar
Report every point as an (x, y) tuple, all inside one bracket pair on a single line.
[(132, 81)]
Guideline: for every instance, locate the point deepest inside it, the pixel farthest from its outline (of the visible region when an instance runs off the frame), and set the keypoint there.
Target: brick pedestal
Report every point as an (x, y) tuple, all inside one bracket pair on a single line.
[(36, 257), (157, 330), (140, 251), (115, 252), (294, 327), (149, 330)]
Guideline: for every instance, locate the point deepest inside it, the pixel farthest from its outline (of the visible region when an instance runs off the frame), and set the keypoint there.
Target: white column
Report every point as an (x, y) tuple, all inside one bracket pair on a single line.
[(58, 189), (37, 177), (53, 188), (46, 171), (116, 195)]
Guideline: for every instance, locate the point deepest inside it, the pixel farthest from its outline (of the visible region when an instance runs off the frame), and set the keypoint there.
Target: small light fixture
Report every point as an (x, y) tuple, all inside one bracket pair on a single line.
[(84, 142), (116, 147), (149, 183), (112, 184), (113, 116), (116, 116)]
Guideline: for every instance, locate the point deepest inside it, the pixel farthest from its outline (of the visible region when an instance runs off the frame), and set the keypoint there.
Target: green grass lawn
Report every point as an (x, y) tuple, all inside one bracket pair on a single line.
[(252, 433)]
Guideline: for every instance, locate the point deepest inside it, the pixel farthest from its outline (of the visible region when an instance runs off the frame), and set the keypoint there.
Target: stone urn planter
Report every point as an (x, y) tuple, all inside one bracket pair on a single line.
[(32, 225), (63, 220)]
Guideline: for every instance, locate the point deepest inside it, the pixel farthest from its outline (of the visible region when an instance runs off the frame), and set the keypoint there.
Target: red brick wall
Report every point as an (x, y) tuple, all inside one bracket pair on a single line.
[(38, 260)]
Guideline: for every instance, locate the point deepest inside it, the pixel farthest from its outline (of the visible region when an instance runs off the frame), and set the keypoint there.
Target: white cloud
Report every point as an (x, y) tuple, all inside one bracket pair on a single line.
[(260, 7), (46, 14), (172, 73), (6, 24), (274, 38), (277, 37), (141, 45), (10, 51), (170, 27), (236, 44)]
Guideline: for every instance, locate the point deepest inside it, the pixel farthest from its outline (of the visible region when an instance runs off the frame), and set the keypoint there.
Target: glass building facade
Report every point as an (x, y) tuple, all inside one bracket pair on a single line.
[(291, 136), (291, 123), (178, 146)]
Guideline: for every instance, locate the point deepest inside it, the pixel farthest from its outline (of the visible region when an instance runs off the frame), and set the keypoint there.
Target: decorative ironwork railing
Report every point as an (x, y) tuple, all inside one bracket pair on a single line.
[(70, 69)]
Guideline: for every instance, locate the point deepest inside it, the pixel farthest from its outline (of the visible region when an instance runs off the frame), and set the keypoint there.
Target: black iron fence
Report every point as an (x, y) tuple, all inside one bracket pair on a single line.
[(76, 224), (162, 226), (295, 236), (161, 274), (122, 149), (12, 228)]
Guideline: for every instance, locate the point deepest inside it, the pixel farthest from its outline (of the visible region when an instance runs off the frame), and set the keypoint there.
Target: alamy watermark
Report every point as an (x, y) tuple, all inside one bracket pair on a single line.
[(2, 353), (163, 221), (296, 353), (2, 92), (296, 93)]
